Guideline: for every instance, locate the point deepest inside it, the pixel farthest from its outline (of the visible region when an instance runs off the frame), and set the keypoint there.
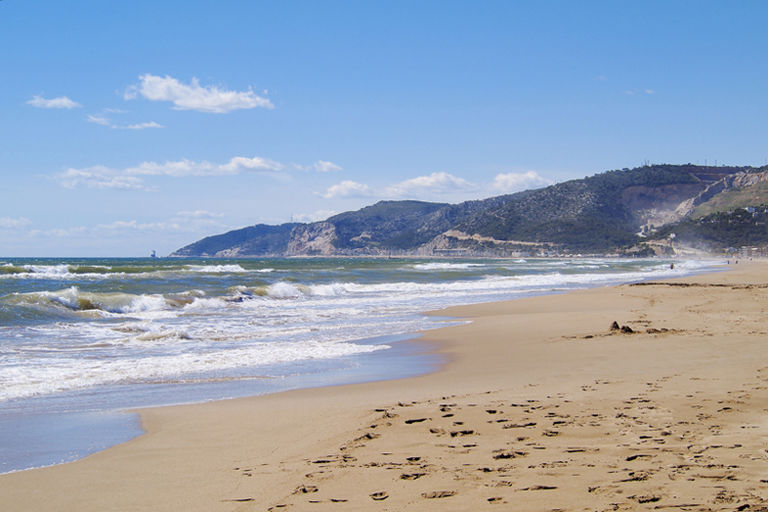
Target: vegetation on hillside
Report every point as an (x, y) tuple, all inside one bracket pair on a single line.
[(600, 213), (732, 199), (741, 227), (388, 224), (261, 239)]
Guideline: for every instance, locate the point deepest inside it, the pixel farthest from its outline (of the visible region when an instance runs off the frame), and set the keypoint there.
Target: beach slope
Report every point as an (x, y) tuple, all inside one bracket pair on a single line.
[(540, 405)]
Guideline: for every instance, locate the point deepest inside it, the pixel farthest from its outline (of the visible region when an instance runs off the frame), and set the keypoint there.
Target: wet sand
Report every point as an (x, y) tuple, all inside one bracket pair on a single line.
[(540, 406)]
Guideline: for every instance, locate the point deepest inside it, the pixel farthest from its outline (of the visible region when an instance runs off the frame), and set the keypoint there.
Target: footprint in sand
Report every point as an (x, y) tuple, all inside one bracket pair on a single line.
[(503, 454), (378, 496), (438, 494)]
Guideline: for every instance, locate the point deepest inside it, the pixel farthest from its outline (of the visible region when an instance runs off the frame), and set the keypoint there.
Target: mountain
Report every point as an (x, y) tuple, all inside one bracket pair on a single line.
[(622, 210), (254, 240), (730, 213)]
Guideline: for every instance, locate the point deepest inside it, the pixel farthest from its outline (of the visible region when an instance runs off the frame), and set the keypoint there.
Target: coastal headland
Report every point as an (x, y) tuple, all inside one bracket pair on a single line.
[(644, 396)]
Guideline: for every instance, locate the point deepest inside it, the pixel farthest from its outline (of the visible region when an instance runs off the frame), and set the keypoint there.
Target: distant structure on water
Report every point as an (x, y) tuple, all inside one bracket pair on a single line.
[(154, 254)]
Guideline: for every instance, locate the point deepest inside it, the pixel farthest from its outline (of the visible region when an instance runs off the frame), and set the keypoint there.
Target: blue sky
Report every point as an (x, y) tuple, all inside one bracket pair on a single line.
[(132, 126)]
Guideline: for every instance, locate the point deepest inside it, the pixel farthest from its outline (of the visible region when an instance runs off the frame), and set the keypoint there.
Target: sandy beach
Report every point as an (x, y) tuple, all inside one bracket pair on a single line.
[(540, 405)]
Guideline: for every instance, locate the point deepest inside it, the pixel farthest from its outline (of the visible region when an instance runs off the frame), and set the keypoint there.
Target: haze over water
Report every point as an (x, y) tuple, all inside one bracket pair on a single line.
[(90, 336)]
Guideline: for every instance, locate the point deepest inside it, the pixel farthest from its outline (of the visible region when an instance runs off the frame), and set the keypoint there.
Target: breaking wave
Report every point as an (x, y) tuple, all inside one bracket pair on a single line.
[(71, 325)]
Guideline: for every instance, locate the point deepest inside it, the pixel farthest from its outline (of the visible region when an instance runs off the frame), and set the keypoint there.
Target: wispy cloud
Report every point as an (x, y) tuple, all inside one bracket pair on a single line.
[(103, 177), (140, 126), (319, 166), (437, 183), (441, 186), (198, 214), (183, 221), (95, 119), (256, 163), (314, 216), (325, 166), (515, 182), (99, 177), (434, 185), (58, 102), (104, 121), (14, 222), (347, 189), (632, 92), (193, 96)]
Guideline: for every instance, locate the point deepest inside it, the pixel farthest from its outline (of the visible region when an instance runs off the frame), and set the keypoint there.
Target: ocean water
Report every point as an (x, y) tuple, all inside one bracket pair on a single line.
[(81, 340)]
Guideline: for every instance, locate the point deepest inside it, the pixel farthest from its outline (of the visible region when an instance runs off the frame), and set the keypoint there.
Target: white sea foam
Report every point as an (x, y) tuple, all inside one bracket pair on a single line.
[(242, 320), (215, 269), (61, 272), (47, 269), (66, 374), (65, 271), (446, 266), (283, 290), (74, 299)]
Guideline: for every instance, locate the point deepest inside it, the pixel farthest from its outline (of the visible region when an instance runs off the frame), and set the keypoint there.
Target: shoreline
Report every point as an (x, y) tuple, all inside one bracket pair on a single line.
[(561, 344), (57, 438), (115, 424)]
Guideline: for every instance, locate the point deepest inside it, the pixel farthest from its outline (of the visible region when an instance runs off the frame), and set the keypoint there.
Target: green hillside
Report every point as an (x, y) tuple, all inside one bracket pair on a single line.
[(733, 199), (597, 214)]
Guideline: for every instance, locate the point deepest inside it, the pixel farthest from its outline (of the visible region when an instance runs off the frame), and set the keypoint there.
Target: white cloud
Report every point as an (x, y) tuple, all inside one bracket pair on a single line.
[(238, 163), (173, 225), (198, 214), (103, 177), (98, 177), (177, 168), (58, 102), (435, 183), (441, 186), (139, 126), (119, 224), (324, 166), (319, 166), (103, 121), (632, 92), (183, 221), (514, 182), (314, 216), (347, 189), (193, 96), (14, 222)]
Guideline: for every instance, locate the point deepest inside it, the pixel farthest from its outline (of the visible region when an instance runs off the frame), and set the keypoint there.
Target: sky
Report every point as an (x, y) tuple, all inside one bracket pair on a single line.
[(127, 127)]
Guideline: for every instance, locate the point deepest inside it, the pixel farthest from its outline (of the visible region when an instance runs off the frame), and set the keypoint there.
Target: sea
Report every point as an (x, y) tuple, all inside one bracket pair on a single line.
[(84, 341)]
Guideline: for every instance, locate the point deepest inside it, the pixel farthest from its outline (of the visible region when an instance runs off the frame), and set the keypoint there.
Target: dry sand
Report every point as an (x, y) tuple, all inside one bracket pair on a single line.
[(540, 406)]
